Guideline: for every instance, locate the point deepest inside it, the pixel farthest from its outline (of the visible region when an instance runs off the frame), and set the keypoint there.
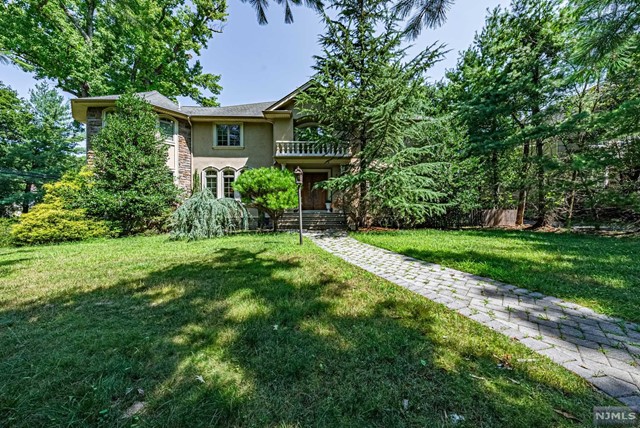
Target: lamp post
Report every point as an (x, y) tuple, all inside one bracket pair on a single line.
[(299, 181)]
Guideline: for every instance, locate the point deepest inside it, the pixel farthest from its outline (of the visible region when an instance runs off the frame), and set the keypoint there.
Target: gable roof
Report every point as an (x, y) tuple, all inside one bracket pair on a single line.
[(79, 106), (282, 101)]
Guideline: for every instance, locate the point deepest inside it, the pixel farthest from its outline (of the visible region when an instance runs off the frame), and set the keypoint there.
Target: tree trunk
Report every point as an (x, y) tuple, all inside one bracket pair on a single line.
[(25, 201), (542, 219), (522, 195), (522, 202), (495, 178), (572, 200)]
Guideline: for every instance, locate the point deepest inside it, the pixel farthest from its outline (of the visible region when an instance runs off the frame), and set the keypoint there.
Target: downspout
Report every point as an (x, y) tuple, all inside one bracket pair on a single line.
[(191, 154)]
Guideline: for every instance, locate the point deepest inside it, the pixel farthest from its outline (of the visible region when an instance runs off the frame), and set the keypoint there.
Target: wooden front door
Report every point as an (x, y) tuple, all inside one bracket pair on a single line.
[(314, 199)]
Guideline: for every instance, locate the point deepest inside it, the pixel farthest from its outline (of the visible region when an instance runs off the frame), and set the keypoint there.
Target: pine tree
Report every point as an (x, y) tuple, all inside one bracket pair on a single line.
[(39, 144), (366, 94), (510, 80)]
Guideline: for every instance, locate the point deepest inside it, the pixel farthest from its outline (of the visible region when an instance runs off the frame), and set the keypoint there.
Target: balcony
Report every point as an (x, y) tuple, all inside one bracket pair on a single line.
[(312, 149)]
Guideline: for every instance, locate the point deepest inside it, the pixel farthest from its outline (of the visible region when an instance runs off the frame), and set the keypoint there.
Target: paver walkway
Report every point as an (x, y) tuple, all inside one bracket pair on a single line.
[(603, 350)]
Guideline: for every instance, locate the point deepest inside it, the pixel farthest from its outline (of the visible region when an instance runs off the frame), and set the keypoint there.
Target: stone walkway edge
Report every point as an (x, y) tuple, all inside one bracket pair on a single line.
[(603, 350)]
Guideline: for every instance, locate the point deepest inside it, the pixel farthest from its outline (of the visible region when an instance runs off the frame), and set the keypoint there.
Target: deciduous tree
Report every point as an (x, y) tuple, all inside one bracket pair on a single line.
[(98, 47)]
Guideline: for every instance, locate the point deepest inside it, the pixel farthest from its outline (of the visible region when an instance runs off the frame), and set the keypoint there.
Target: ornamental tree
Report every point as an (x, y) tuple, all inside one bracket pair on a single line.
[(270, 190)]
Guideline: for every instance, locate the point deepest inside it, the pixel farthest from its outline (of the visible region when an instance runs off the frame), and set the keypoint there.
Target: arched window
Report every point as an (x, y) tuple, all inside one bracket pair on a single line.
[(211, 180), (228, 177)]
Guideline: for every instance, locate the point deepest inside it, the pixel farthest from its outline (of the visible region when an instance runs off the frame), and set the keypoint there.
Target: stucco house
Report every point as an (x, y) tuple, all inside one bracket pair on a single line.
[(220, 142)]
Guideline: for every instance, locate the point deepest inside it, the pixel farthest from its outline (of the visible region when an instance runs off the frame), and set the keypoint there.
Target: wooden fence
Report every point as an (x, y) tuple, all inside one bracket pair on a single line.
[(455, 219)]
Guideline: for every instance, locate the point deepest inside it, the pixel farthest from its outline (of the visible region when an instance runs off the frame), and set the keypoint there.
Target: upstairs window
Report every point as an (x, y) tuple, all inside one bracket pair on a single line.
[(106, 113), (166, 127), (228, 135)]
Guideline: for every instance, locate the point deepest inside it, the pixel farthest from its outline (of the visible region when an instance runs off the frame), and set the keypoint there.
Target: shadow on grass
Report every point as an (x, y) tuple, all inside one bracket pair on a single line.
[(244, 338), (6, 265)]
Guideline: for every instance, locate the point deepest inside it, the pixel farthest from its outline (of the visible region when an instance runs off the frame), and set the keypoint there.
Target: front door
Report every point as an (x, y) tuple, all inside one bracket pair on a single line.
[(314, 199)]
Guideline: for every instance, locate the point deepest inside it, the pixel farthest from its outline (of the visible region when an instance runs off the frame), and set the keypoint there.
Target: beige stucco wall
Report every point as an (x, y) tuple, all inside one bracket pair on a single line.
[(282, 130), (257, 151)]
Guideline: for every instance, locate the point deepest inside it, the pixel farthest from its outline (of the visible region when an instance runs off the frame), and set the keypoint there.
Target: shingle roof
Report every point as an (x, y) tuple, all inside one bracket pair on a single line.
[(241, 110), (155, 98)]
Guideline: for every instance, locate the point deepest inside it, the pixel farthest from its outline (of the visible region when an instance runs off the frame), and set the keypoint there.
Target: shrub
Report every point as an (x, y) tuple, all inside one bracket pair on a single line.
[(72, 190), (133, 185), (60, 217), (52, 222), (205, 216), (5, 231), (270, 190)]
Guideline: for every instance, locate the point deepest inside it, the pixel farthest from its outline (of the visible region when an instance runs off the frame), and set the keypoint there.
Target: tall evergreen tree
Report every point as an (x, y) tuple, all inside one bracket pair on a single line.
[(366, 94), (133, 185), (511, 75), (40, 148)]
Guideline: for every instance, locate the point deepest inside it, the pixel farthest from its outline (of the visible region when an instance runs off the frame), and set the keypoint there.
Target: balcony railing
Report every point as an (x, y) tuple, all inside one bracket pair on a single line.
[(311, 149)]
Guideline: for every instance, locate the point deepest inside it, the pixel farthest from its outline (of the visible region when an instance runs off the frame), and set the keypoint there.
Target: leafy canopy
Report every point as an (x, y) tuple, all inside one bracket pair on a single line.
[(608, 31), (99, 47), (421, 13)]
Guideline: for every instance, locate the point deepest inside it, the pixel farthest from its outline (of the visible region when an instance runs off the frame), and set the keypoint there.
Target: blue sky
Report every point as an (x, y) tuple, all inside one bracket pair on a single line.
[(263, 63)]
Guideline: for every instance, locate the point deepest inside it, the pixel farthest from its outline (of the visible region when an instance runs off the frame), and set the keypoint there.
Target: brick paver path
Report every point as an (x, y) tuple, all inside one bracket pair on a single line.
[(603, 350)]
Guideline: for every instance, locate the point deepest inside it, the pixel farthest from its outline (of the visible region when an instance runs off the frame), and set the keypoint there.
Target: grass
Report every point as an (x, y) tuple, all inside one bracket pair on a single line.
[(602, 273), (251, 330)]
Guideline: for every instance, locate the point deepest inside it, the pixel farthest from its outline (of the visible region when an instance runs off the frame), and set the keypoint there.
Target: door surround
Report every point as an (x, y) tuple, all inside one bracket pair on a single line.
[(309, 195)]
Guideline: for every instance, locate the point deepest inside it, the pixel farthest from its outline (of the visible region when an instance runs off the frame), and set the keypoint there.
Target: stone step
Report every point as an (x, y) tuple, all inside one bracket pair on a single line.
[(313, 215), (313, 221)]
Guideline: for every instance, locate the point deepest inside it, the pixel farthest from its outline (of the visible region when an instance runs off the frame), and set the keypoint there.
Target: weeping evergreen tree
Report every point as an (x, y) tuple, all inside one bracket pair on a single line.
[(366, 93), (205, 216)]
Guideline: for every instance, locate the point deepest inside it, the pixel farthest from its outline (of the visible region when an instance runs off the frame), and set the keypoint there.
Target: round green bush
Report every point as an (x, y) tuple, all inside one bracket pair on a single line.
[(51, 222)]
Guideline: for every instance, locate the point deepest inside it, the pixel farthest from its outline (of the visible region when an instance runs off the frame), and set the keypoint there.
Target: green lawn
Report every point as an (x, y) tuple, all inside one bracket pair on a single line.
[(602, 273), (280, 335)]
